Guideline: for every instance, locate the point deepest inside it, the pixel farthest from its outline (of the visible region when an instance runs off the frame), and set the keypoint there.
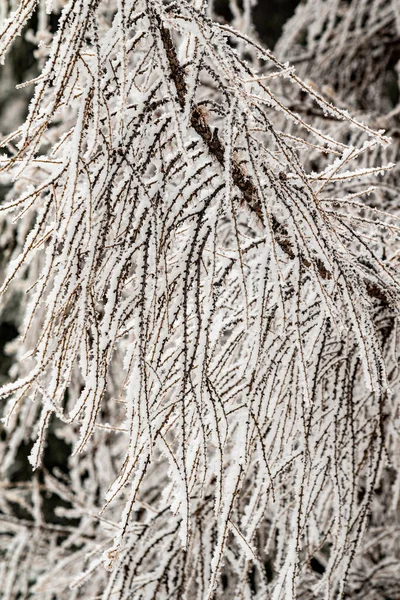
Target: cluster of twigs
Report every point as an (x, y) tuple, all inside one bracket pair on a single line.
[(209, 321)]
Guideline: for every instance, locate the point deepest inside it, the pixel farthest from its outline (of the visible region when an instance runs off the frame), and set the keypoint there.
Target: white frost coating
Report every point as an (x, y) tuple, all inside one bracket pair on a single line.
[(208, 270)]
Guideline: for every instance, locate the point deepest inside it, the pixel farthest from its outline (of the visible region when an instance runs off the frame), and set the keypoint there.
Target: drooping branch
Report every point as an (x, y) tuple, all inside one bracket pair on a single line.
[(211, 138), (241, 180), (169, 334)]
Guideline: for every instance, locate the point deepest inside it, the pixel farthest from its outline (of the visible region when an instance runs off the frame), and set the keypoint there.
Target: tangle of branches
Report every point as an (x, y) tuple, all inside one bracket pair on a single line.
[(210, 292)]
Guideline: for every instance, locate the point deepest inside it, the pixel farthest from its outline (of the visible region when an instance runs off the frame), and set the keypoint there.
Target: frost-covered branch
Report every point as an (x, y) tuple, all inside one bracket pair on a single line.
[(208, 321)]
